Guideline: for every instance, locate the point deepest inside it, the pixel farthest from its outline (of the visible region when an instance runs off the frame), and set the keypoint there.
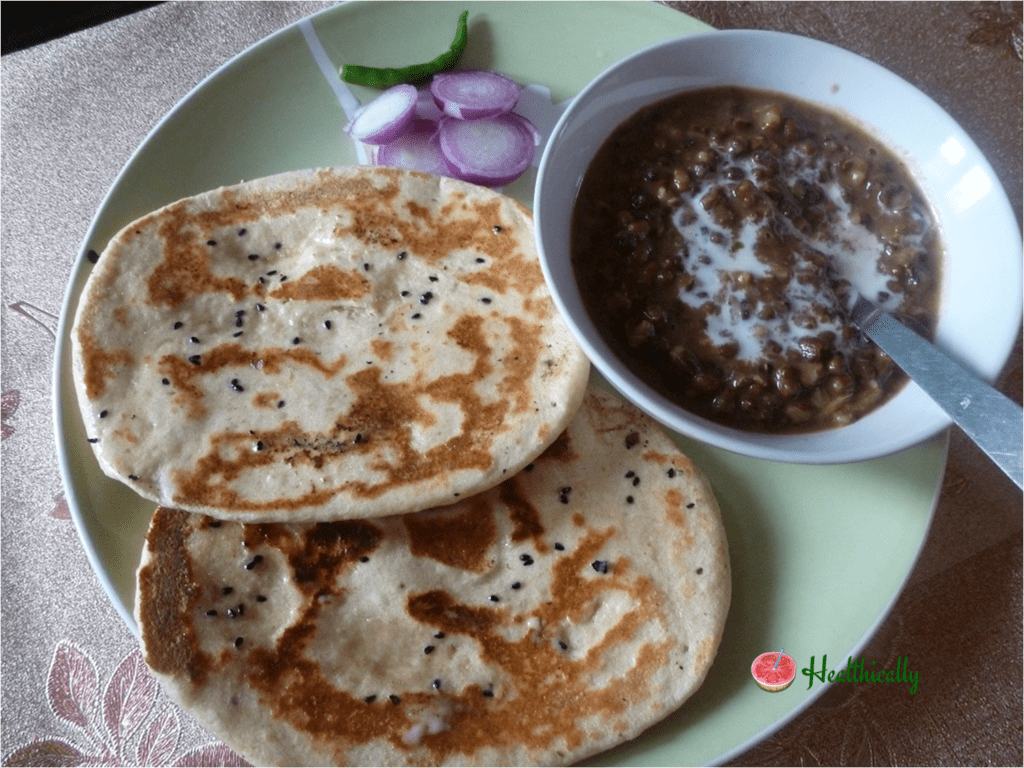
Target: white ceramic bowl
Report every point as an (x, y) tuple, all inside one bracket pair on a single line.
[(981, 299)]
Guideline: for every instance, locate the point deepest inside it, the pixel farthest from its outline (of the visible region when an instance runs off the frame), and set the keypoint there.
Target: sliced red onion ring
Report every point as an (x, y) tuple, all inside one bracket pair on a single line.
[(426, 107), (474, 95), (492, 151), (416, 150), (386, 117)]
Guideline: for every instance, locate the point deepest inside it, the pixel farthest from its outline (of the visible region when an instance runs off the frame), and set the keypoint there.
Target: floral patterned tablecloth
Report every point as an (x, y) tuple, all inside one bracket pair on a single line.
[(75, 690)]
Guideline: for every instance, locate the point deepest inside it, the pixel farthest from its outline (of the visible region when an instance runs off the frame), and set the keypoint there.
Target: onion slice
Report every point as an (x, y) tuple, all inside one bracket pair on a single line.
[(416, 150), (386, 117), (473, 94), (426, 107), (491, 152)]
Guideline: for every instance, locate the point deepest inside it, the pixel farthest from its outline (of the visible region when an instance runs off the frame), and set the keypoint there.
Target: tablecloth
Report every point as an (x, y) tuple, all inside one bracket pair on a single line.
[(75, 690)]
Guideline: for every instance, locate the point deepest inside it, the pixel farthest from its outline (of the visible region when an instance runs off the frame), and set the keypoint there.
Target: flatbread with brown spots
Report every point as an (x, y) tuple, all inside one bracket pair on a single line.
[(544, 620), (323, 345)]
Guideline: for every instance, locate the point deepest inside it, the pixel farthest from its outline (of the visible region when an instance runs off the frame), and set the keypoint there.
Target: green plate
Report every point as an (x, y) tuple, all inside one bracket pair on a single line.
[(819, 554)]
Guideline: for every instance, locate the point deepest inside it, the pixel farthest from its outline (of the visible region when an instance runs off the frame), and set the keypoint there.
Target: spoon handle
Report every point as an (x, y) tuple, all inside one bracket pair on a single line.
[(989, 418)]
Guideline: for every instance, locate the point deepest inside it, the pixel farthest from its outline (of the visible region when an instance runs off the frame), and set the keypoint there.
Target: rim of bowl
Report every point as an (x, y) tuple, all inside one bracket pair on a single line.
[(887, 429)]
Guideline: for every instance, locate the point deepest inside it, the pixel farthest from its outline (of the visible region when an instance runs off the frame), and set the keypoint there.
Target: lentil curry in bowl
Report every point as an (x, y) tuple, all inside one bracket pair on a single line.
[(718, 238), (707, 211)]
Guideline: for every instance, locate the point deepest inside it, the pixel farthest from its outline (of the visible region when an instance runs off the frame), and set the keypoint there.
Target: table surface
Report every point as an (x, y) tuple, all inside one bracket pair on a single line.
[(73, 111)]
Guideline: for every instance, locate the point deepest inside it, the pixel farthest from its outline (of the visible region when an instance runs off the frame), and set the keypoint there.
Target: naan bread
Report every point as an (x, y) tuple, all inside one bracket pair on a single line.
[(547, 619), (323, 345)]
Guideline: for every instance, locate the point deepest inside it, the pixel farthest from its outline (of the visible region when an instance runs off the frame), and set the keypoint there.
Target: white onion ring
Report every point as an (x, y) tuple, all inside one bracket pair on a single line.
[(473, 94), (416, 150), (492, 151), (386, 117)]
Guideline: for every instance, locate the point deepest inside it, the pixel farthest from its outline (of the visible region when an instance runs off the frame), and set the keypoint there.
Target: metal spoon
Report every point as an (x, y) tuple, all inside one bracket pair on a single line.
[(989, 418)]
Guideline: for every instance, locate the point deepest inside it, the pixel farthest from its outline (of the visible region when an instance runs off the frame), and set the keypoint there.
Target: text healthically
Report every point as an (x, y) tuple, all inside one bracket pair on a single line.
[(860, 672)]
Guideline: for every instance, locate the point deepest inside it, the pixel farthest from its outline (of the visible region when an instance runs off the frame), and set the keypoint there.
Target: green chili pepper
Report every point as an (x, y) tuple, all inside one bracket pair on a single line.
[(385, 77)]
